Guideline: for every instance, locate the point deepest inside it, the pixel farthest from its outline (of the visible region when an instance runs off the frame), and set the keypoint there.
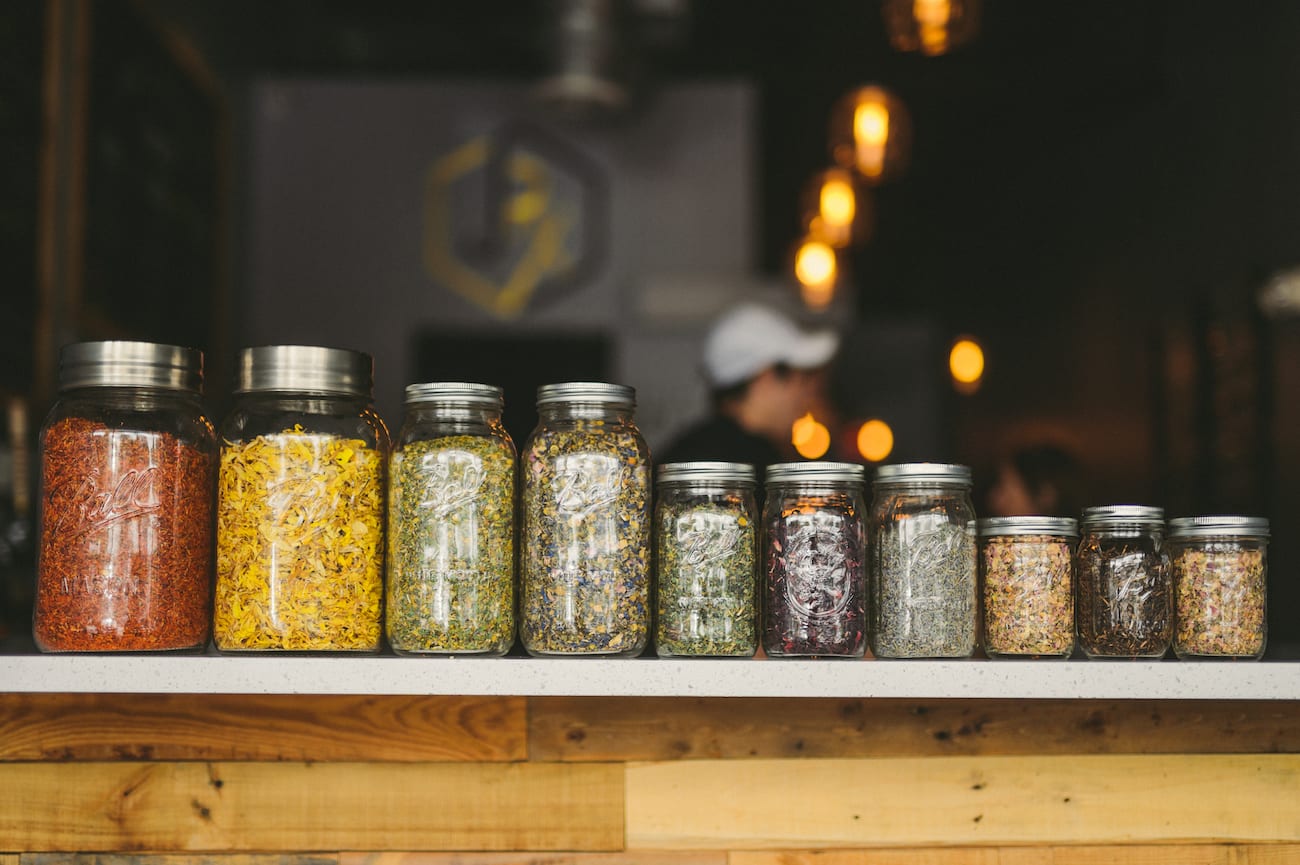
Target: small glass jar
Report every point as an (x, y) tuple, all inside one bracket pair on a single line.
[(586, 530), (1220, 577), (451, 524), (923, 562), (300, 505), (1123, 606), (1027, 573), (127, 461), (706, 545), (814, 559)]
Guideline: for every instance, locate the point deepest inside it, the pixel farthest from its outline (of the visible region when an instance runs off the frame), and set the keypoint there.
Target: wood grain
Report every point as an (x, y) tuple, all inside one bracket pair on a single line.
[(296, 807), (1110, 799), (177, 859), (1179, 854), (281, 727), (635, 857), (561, 728)]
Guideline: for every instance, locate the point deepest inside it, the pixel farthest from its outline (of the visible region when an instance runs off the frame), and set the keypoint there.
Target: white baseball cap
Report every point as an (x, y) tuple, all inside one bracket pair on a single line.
[(751, 338)]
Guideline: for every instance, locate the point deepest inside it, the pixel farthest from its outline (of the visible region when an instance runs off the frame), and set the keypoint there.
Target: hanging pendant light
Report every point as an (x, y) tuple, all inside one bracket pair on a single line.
[(836, 209), (931, 27), (817, 270), (871, 134)]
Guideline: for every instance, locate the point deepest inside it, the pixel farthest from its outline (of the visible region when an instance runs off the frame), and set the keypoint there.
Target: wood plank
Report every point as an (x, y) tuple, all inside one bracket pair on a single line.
[(1163, 854), (1106, 799), (562, 728), (297, 807), (177, 859), (635, 857), (282, 727)]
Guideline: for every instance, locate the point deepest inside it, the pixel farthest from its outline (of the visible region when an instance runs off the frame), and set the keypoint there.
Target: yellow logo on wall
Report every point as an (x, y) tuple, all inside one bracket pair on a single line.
[(511, 220)]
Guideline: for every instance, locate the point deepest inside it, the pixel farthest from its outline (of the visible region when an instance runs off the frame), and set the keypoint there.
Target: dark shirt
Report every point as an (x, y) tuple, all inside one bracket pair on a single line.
[(720, 438)]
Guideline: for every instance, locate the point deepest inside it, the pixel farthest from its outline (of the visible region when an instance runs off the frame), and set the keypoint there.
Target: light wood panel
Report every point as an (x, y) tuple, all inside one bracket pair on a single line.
[(1177, 854), (281, 727), (635, 857), (766, 804), (663, 729), (310, 807), (177, 859)]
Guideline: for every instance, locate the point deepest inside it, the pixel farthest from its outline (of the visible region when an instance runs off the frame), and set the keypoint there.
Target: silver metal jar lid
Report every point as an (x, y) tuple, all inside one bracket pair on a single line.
[(815, 472), (118, 363), (991, 527), (942, 473), (455, 391), (730, 473), (1111, 515), (306, 369), (587, 391), (1218, 526)]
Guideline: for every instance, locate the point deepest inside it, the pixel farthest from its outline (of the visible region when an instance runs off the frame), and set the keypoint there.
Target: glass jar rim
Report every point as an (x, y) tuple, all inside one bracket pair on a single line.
[(991, 527), (127, 363), (912, 473), (305, 369), (1219, 525), (815, 472), (587, 391), (454, 392), (719, 472), (1119, 515)]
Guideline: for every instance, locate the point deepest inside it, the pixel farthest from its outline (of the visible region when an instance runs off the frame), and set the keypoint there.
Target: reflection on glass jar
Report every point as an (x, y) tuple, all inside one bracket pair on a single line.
[(705, 550), (451, 568), (814, 555), (1124, 607), (586, 533)]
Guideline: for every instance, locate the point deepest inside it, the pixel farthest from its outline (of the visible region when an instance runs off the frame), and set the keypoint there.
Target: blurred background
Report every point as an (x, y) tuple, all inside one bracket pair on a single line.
[(1071, 226)]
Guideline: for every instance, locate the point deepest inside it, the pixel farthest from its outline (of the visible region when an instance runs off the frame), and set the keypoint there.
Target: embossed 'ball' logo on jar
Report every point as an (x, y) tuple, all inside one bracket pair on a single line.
[(817, 575), (453, 480), (586, 482)]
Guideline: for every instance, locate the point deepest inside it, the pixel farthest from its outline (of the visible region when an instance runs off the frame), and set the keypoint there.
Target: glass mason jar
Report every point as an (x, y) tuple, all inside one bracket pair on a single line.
[(1220, 577), (300, 505), (814, 558), (1123, 606), (923, 562), (451, 524), (127, 462), (705, 549), (586, 530), (1027, 573)]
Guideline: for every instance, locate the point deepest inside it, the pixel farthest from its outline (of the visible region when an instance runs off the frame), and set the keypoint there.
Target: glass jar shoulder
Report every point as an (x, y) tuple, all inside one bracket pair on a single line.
[(898, 503), (93, 410), (275, 416), (574, 435), (425, 434)]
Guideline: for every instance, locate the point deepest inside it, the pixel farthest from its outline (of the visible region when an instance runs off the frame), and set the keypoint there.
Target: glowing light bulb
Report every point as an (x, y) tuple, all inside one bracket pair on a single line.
[(875, 440), (871, 123), (966, 362), (838, 205), (810, 437), (814, 264)]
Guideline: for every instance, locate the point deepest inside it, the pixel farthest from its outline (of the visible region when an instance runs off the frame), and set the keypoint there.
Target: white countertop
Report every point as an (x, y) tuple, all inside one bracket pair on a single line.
[(650, 677)]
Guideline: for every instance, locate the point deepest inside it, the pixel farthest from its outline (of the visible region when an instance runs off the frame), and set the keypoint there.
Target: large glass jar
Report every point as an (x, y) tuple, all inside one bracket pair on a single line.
[(814, 559), (1220, 577), (586, 531), (705, 548), (451, 524), (300, 505), (127, 459), (923, 562), (1027, 575), (1123, 607)]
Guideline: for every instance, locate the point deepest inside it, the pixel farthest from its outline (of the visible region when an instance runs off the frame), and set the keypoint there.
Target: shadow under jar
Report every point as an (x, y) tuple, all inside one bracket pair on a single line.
[(127, 460), (1124, 603), (586, 531), (923, 562), (300, 505), (451, 524), (814, 560), (1220, 576), (705, 549)]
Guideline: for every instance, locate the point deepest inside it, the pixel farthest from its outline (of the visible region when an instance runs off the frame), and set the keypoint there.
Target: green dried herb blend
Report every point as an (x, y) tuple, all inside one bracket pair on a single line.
[(451, 546), (707, 597), (1219, 592), (586, 565), (924, 589), (1028, 595)]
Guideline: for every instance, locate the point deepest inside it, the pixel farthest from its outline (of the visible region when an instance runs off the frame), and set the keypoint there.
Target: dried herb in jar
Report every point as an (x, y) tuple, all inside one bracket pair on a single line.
[(706, 580), (1124, 606), (1028, 595), (299, 543), (451, 546), (1219, 589), (586, 540), (815, 592), (126, 540), (926, 588)]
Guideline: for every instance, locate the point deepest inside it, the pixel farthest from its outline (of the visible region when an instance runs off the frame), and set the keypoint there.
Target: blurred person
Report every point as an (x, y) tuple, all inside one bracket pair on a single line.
[(1036, 480), (764, 372)]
